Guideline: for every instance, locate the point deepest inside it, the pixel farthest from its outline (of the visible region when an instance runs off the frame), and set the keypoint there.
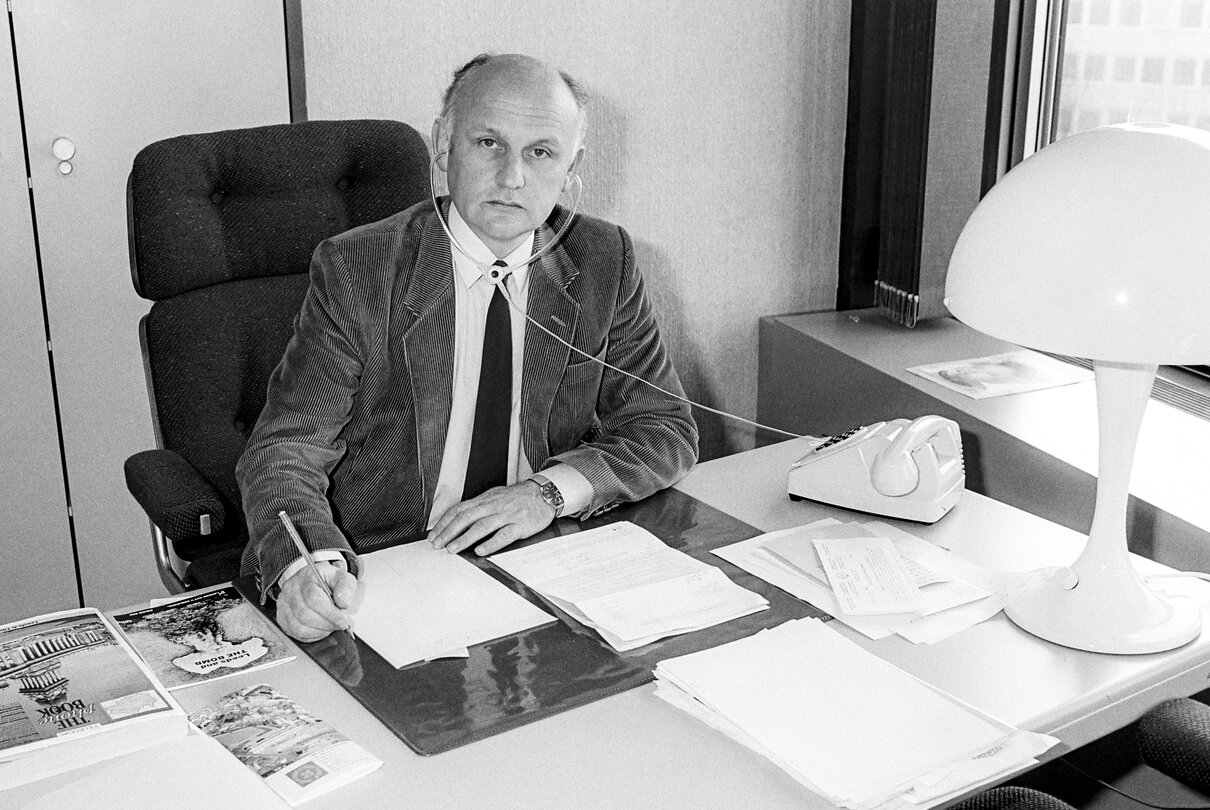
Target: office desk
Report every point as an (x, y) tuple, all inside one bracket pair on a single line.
[(633, 750)]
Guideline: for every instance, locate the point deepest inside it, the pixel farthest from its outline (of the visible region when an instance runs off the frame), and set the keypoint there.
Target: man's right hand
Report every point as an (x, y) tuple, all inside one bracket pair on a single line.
[(304, 610)]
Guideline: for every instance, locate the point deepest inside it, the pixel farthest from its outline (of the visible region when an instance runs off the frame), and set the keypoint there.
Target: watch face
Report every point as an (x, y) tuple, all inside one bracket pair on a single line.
[(551, 494)]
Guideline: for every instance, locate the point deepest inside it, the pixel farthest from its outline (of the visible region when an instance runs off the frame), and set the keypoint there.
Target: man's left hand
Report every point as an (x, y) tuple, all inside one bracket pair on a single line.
[(503, 514)]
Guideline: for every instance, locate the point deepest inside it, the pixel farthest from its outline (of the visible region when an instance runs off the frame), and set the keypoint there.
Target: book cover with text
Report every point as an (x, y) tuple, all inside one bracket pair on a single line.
[(204, 637), (73, 692)]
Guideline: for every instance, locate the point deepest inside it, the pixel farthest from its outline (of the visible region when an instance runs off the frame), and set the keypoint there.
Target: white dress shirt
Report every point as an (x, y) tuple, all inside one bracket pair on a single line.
[(472, 293)]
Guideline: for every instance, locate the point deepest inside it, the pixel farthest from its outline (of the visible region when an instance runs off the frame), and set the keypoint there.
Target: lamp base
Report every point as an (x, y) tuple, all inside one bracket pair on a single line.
[(1075, 617)]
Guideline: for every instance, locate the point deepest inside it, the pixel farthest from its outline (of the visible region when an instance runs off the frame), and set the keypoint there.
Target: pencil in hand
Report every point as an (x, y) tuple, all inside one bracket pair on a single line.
[(306, 555)]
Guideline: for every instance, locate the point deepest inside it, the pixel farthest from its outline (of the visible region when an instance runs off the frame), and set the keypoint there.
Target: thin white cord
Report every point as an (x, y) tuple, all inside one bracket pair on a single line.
[(508, 297), (545, 249)]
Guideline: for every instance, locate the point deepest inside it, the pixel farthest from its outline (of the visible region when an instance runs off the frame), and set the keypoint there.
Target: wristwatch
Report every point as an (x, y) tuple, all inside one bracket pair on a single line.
[(549, 492)]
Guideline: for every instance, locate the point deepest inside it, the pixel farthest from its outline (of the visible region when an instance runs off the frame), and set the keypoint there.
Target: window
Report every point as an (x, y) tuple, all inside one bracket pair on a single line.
[(1092, 63), (1191, 14), (1153, 70), (1094, 68), (1150, 61)]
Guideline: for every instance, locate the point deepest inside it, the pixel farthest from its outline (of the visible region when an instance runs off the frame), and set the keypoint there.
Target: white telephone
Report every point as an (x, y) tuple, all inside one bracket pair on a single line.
[(903, 469)]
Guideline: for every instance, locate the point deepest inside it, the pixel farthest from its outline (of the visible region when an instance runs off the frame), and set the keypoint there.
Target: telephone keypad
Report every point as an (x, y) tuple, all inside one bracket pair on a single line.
[(837, 439)]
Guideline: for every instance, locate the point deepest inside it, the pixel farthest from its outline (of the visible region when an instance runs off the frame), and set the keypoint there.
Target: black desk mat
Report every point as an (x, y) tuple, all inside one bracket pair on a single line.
[(438, 705)]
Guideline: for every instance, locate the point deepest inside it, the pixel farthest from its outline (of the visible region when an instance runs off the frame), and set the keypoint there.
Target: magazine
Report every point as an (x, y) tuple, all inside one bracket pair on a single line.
[(204, 637), (72, 693), (999, 374), (296, 753)]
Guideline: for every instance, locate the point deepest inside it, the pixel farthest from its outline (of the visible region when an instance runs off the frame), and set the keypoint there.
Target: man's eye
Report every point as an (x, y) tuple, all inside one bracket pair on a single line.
[(490, 143), (541, 153)]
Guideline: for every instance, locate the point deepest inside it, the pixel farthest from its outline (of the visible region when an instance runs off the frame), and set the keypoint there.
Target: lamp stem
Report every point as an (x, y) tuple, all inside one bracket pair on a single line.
[(1106, 606), (1122, 393)]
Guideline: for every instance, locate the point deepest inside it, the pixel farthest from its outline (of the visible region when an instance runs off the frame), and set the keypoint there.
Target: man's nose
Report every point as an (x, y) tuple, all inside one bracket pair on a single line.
[(512, 171)]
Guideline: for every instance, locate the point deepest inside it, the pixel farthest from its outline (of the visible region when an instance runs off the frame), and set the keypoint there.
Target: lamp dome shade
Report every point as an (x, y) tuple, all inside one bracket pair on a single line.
[(1097, 246)]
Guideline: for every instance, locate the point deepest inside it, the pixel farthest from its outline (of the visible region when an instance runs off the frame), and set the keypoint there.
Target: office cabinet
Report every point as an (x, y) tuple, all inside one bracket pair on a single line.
[(38, 570), (98, 81)]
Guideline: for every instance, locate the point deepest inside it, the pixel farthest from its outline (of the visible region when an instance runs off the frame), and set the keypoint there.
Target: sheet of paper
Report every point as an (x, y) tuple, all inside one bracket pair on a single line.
[(942, 577), (852, 724), (797, 546), (625, 582), (868, 576), (421, 603), (191, 773), (632, 618), (957, 593), (751, 556), (598, 562)]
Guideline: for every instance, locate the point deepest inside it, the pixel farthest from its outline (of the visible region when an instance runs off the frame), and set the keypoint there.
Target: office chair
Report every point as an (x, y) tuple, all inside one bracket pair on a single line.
[(1010, 797), (222, 226), (1174, 738)]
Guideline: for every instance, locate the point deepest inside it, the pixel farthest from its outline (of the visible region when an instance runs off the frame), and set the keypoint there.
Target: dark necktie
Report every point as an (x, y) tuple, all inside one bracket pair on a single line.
[(487, 465)]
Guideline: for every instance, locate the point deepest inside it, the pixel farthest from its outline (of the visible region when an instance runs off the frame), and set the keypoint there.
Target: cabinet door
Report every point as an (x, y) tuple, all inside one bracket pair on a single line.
[(37, 571), (110, 78)]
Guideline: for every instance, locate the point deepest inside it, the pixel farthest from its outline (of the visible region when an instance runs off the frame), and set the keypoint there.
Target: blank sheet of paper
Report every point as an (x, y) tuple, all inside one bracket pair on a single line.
[(850, 723), (420, 602)]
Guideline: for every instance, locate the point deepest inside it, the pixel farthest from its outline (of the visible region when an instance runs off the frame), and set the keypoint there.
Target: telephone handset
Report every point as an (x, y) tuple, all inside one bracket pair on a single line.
[(903, 469)]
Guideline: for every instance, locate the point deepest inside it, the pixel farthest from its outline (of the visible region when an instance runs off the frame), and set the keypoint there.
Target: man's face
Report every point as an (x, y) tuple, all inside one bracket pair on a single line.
[(512, 146)]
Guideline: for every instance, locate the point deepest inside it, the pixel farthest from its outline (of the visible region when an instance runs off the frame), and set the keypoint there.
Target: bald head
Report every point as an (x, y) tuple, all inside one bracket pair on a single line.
[(509, 140), (493, 72)]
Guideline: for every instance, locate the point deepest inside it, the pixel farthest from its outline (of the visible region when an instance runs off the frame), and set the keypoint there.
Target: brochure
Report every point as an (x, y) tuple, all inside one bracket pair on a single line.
[(296, 753), (204, 637)]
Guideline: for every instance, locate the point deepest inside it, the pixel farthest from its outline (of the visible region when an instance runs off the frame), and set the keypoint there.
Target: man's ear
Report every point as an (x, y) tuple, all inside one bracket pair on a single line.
[(571, 170), (441, 143)]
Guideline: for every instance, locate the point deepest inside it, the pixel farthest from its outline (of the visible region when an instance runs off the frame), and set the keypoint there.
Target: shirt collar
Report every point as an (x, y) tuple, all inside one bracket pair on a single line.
[(468, 269)]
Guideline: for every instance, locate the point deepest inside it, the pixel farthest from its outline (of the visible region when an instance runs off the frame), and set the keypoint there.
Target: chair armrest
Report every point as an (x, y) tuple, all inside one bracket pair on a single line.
[(183, 504), (1174, 738)]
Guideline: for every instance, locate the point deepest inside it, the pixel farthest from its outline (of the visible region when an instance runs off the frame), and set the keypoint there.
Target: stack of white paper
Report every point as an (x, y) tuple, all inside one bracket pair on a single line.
[(421, 603), (954, 593), (624, 582), (844, 723)]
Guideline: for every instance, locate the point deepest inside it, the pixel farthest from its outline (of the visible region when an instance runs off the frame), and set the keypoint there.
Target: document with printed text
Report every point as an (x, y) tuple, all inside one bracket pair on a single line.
[(868, 576), (627, 584)]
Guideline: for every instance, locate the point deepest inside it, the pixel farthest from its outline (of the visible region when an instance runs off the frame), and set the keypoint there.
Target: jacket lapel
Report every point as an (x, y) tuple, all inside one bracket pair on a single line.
[(429, 348), (545, 357)]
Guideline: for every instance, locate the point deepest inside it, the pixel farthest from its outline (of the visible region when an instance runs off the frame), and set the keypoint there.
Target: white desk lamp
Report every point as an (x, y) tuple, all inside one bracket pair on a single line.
[(1098, 246)]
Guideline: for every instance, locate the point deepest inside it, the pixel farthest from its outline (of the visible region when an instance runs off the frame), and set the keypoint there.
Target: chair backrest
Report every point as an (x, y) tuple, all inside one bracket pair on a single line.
[(222, 226)]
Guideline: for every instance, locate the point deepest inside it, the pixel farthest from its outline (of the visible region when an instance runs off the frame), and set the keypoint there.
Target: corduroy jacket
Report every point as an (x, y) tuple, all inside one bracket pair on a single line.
[(350, 441)]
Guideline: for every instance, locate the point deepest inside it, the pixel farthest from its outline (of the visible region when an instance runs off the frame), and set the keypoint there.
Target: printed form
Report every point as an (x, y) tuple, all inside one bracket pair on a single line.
[(627, 584)]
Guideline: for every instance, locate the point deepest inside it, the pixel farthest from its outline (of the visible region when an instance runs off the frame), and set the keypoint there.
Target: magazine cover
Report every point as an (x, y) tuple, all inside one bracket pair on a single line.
[(1001, 374), (69, 676), (204, 637), (296, 753)]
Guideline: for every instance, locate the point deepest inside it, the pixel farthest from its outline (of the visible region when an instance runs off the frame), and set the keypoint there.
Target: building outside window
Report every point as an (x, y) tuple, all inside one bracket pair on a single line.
[(1134, 60)]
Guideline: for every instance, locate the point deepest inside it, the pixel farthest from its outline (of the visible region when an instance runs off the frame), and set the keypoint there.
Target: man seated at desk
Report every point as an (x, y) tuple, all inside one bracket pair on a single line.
[(413, 399)]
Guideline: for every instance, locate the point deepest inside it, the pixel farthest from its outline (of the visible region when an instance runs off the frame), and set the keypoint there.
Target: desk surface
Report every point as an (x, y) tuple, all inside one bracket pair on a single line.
[(634, 750)]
